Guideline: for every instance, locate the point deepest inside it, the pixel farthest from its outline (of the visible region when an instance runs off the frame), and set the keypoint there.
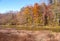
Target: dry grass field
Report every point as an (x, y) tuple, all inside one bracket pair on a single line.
[(33, 28)]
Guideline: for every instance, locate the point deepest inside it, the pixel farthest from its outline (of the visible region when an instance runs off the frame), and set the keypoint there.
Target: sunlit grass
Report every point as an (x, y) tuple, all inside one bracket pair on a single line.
[(33, 28)]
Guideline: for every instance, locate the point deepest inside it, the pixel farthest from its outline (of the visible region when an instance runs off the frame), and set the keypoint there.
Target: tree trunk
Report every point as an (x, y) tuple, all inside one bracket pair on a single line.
[(46, 20), (59, 20)]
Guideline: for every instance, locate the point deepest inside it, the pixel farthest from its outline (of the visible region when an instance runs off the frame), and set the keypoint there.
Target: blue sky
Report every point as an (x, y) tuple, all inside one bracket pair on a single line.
[(16, 5)]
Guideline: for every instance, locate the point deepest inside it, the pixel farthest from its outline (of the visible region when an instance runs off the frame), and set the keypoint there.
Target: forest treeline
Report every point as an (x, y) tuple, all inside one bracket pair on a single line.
[(38, 14)]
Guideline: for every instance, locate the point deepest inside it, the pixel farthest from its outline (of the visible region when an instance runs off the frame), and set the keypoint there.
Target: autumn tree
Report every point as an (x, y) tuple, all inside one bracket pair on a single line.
[(47, 14), (36, 13), (45, 20), (21, 19)]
